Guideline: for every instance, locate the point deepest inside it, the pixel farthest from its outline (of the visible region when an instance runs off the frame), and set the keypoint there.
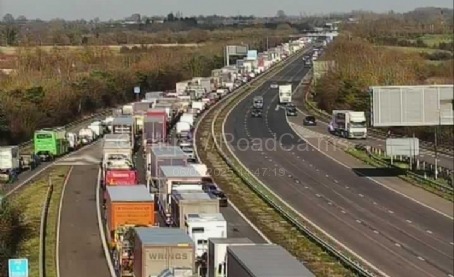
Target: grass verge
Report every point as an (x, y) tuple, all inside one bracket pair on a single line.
[(32, 199), (430, 184)]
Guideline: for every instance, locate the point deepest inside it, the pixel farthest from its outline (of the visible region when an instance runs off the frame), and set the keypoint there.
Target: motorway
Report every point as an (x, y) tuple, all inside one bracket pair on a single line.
[(237, 227), (397, 235), (80, 245)]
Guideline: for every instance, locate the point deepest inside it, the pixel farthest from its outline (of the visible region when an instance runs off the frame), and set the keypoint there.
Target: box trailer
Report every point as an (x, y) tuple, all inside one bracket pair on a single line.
[(191, 203), (129, 206), (164, 155), (263, 260), (158, 249), (9, 158), (217, 254), (203, 226), (124, 125)]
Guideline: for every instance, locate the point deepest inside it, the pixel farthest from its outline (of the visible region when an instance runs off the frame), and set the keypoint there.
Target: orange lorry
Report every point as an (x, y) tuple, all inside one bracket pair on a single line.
[(129, 206)]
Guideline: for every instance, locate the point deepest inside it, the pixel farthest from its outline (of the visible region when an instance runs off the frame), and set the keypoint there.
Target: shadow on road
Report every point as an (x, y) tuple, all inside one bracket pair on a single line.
[(378, 172)]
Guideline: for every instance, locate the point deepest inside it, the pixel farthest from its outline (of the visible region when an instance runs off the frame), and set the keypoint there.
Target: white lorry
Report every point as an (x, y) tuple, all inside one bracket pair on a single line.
[(348, 124), (183, 129), (199, 105), (285, 94), (73, 140)]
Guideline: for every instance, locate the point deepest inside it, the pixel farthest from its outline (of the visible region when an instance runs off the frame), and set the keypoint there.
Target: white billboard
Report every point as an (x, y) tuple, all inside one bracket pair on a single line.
[(412, 105), (402, 147), (237, 50)]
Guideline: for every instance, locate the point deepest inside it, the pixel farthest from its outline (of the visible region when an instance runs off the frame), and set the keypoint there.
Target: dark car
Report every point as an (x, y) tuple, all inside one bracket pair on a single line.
[(310, 121), (256, 113), (291, 111), (213, 189)]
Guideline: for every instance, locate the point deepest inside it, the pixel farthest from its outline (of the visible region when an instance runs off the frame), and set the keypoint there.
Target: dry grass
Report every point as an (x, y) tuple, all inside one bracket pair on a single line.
[(32, 199), (408, 50)]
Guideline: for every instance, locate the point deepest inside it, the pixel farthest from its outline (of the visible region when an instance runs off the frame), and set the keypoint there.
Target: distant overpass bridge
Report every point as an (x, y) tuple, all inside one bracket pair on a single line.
[(332, 34)]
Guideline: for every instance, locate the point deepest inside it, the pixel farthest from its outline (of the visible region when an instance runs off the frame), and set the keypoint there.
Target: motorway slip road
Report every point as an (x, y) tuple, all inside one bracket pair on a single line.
[(444, 160), (395, 234)]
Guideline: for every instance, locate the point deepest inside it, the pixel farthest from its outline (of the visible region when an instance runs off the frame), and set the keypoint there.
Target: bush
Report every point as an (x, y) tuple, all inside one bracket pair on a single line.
[(360, 64), (12, 232), (56, 87)]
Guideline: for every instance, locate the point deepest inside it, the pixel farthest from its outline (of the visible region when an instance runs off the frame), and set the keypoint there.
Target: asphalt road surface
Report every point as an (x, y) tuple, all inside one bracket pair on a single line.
[(80, 245), (444, 160), (395, 234)]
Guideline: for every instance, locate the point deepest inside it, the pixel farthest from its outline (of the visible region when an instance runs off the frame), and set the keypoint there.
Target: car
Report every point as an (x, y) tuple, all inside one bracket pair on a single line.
[(310, 121), (291, 111), (213, 189), (274, 85), (256, 113)]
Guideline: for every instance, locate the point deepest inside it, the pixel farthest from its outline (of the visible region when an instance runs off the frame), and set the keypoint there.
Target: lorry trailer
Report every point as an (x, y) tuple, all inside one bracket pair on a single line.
[(158, 249), (263, 260), (348, 124), (285, 94)]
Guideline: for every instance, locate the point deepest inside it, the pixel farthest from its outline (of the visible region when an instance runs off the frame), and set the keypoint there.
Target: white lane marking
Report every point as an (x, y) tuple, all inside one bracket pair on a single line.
[(344, 212), (391, 212), (429, 232), (396, 244), (376, 232), (359, 221), (360, 195), (409, 221), (421, 258), (363, 260), (57, 239), (277, 108), (101, 227), (373, 180)]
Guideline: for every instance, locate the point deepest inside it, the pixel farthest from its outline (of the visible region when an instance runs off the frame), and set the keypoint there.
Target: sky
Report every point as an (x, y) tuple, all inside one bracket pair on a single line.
[(118, 9)]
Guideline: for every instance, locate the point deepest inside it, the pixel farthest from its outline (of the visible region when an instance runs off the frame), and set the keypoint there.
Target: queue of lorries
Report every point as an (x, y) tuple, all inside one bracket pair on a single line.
[(169, 220), (48, 144)]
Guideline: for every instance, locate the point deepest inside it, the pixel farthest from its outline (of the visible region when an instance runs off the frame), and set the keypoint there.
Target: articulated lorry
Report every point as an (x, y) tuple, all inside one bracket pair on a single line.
[(50, 143), (348, 124), (285, 94)]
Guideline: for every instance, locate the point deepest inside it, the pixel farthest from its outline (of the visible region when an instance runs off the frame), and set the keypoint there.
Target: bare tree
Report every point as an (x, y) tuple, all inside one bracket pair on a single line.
[(281, 14)]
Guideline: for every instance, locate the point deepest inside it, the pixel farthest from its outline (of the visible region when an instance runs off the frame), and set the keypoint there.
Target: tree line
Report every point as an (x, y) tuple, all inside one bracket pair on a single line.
[(54, 87), (360, 64)]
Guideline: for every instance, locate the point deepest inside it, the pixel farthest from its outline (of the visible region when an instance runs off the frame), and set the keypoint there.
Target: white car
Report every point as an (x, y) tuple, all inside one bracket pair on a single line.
[(274, 85)]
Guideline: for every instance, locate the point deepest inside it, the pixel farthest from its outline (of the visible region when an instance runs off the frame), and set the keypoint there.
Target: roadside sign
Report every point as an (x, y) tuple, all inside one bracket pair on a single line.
[(18, 267), (136, 90)]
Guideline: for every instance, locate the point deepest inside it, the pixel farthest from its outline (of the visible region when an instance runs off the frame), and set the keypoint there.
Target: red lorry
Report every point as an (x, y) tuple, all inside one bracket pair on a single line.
[(122, 177)]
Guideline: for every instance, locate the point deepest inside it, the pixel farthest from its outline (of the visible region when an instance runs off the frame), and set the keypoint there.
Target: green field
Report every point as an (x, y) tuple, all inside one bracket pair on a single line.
[(434, 40), (414, 49)]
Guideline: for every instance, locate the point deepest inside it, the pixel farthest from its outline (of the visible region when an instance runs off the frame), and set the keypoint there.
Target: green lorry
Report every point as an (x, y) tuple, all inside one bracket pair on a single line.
[(50, 143)]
